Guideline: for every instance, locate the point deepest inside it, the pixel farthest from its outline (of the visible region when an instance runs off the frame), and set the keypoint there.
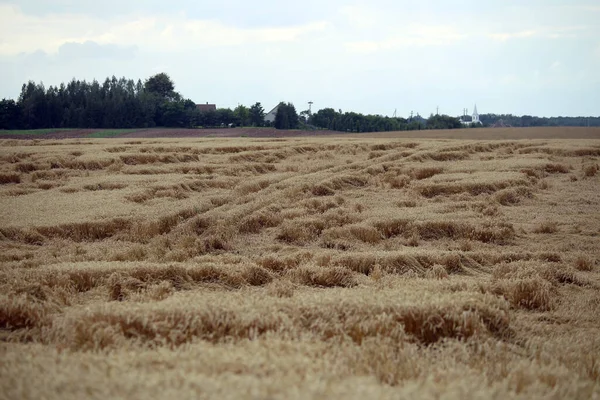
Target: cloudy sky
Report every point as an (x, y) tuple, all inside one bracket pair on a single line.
[(539, 57)]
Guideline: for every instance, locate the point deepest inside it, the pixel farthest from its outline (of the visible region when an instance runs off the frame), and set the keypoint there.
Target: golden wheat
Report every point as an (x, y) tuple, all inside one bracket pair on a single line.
[(367, 266)]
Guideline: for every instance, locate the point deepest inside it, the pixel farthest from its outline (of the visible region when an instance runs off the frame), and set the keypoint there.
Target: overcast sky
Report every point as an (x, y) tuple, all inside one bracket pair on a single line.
[(539, 57)]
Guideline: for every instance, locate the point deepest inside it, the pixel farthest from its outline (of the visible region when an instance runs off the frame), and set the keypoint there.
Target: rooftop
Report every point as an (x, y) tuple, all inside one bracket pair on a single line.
[(206, 107)]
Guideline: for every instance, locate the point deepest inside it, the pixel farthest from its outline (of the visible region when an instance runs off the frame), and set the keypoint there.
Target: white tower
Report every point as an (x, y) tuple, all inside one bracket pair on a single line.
[(475, 115)]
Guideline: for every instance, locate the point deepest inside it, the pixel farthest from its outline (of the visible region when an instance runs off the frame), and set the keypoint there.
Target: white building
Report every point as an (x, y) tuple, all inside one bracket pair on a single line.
[(475, 116), (270, 116), (471, 119)]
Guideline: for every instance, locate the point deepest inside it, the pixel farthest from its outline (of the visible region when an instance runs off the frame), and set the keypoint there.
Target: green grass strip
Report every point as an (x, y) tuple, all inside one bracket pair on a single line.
[(110, 133)]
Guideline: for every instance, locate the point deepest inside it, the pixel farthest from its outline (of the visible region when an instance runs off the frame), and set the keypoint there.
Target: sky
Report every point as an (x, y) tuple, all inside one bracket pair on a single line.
[(534, 57)]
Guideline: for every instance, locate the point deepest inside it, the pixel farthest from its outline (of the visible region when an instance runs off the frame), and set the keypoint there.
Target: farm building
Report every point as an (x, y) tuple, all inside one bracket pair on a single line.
[(270, 116), (206, 107)]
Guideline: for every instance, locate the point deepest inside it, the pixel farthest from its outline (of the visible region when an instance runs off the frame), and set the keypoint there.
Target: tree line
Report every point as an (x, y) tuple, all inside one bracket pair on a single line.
[(529, 121), (328, 118), (116, 103), (125, 103)]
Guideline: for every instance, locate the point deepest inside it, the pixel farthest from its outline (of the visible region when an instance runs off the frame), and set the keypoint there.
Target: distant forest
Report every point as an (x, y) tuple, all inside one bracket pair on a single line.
[(125, 103), (528, 120)]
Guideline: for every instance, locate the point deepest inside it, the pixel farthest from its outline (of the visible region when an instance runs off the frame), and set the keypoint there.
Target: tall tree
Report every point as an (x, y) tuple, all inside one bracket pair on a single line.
[(286, 117), (10, 114), (161, 85), (242, 115), (257, 115), (224, 116), (443, 122), (34, 105)]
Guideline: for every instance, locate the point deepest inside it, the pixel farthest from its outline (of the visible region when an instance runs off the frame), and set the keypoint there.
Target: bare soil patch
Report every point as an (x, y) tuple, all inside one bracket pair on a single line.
[(467, 134)]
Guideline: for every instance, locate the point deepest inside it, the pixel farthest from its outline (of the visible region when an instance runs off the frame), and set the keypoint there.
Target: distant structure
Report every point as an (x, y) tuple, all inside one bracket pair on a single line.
[(206, 107), (270, 116), (475, 116), (466, 119)]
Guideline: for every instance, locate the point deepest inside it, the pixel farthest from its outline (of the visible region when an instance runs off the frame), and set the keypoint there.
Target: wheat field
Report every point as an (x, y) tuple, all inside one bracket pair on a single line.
[(290, 268)]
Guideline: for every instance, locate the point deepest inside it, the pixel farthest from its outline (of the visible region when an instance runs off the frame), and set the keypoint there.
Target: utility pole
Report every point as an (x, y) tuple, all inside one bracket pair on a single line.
[(437, 110)]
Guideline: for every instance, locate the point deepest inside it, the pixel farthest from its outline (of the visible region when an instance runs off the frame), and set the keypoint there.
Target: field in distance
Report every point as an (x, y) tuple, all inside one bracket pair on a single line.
[(300, 267), (469, 134)]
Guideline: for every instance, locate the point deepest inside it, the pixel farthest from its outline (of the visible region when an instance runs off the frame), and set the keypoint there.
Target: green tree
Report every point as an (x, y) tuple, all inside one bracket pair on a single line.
[(34, 105), (324, 118), (242, 115), (161, 85), (281, 118), (443, 122), (10, 115), (224, 116), (286, 117), (257, 115), (305, 116)]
